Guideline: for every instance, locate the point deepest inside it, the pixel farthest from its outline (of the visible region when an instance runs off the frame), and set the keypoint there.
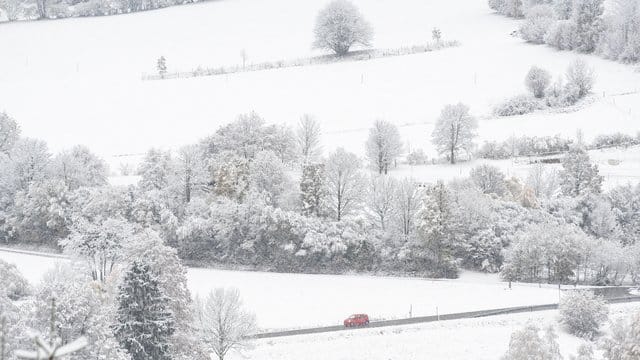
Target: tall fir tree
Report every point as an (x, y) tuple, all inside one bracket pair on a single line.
[(145, 324), (579, 176), (312, 189)]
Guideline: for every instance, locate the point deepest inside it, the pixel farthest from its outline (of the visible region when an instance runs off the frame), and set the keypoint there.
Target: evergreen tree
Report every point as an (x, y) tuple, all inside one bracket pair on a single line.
[(587, 16), (579, 176), (145, 325), (162, 66), (435, 226), (312, 189)]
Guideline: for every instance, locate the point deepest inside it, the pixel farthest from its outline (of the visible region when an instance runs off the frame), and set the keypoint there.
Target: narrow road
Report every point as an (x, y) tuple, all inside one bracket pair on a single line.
[(433, 318)]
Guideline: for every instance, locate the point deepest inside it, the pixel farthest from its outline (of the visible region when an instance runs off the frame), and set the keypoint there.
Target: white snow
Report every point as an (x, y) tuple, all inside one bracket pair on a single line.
[(78, 80), (301, 300), (478, 339)]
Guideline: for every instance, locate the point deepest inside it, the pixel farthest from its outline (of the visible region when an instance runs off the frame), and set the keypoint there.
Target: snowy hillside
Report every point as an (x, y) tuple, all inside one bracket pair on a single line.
[(84, 76)]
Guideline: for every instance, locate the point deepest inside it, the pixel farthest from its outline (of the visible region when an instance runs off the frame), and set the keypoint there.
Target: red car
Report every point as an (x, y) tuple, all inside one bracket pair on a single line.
[(357, 320)]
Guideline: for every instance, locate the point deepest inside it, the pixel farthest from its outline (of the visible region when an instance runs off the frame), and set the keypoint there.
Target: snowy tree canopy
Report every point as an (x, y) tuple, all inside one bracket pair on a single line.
[(454, 131), (339, 26)]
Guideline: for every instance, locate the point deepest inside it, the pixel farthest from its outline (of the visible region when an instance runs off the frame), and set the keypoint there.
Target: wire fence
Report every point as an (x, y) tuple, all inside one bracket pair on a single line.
[(362, 55)]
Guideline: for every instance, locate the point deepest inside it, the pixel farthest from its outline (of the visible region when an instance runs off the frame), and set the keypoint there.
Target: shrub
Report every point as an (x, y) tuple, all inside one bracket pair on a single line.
[(613, 140), (561, 35), (580, 75), (537, 81), (519, 105), (417, 157), (527, 344), (537, 22), (494, 150), (12, 283), (624, 339), (583, 313)]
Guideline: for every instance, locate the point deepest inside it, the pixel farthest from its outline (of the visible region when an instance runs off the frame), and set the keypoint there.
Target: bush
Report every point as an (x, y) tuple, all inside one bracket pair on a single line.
[(580, 75), (519, 105), (417, 157), (614, 140), (583, 313), (12, 283), (561, 35), (527, 344), (537, 81), (494, 150), (537, 22), (624, 339)]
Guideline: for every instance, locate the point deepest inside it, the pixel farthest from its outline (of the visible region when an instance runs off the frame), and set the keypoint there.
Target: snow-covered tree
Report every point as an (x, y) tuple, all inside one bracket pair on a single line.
[(563, 9), (624, 339), (435, 227), (30, 158), (313, 189), (268, 176), (339, 26), (308, 138), (9, 133), (587, 15), (527, 344), (454, 131), (543, 182), (222, 323), (155, 170), (489, 179), (144, 322), (537, 81), (99, 244), (344, 183), (407, 203), (13, 284), (171, 275), (82, 309), (578, 175), (381, 198), (562, 35), (536, 24), (581, 76), (161, 66), (582, 312), (383, 145), (190, 172), (79, 167)]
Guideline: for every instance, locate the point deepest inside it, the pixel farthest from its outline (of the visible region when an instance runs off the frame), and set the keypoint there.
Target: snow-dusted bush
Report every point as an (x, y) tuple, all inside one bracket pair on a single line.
[(614, 140), (12, 283), (561, 35), (417, 157), (536, 24), (624, 339), (494, 150), (582, 312), (518, 105), (537, 81), (339, 26), (580, 75), (527, 344), (489, 179)]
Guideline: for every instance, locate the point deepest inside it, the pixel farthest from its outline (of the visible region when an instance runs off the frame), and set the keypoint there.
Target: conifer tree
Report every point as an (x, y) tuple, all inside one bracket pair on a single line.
[(144, 322)]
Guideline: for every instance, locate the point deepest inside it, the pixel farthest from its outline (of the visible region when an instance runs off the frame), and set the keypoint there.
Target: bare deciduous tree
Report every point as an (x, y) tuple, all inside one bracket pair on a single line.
[(454, 131), (222, 322), (308, 138), (381, 199), (344, 183), (383, 145)]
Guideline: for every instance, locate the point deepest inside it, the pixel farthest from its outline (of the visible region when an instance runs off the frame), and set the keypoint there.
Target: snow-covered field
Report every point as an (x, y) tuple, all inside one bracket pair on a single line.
[(619, 166), (78, 80), (298, 300), (477, 339)]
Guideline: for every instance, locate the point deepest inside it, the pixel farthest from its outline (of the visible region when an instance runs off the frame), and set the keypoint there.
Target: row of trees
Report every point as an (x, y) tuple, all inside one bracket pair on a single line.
[(581, 25)]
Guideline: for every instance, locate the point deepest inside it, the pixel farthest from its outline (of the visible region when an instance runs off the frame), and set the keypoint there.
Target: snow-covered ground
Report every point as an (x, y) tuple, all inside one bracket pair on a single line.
[(477, 339), (619, 166), (78, 80), (299, 300)]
